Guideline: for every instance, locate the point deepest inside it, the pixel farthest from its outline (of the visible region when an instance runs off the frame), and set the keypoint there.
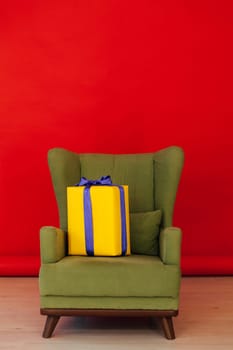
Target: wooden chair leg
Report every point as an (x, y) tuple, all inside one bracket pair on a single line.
[(50, 325), (168, 328)]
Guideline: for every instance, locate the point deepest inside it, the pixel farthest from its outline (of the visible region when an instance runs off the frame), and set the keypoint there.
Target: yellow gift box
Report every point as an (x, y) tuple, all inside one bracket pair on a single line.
[(106, 220)]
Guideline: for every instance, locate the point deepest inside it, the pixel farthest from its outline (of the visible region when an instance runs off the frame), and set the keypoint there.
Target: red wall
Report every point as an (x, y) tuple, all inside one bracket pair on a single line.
[(120, 77)]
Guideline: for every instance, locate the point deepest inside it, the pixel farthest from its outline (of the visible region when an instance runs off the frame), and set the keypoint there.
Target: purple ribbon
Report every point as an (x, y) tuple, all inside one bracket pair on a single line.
[(103, 181)]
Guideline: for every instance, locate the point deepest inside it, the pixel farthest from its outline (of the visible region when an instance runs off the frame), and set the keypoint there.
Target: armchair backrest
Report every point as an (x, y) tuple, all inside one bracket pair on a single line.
[(153, 178)]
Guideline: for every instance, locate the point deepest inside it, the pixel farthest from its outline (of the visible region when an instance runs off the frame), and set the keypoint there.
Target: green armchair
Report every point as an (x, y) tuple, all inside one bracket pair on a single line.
[(136, 285)]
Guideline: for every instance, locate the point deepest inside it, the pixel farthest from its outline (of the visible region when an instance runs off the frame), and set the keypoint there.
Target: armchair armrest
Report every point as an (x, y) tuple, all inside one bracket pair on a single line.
[(52, 244), (170, 245)]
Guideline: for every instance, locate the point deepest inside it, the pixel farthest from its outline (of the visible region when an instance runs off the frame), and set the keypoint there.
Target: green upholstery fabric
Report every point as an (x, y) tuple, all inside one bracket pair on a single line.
[(144, 232), (170, 242), (53, 242), (134, 275), (65, 170), (136, 171), (162, 303), (168, 164)]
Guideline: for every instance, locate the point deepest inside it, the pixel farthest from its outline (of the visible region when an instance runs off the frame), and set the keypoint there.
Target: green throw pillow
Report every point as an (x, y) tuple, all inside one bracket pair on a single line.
[(144, 231)]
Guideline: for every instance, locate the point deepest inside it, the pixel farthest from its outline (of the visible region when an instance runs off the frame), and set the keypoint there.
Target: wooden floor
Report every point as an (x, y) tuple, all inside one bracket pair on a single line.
[(205, 321)]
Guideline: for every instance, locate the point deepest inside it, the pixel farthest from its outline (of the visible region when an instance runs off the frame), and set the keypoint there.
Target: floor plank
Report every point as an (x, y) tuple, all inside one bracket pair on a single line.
[(205, 321)]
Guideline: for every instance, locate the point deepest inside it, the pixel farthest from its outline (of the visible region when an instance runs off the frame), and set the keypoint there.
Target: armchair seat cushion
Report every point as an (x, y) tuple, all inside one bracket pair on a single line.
[(131, 276)]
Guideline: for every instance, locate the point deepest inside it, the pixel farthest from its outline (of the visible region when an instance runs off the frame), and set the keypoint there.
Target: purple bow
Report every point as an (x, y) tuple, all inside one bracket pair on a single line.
[(104, 180)]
